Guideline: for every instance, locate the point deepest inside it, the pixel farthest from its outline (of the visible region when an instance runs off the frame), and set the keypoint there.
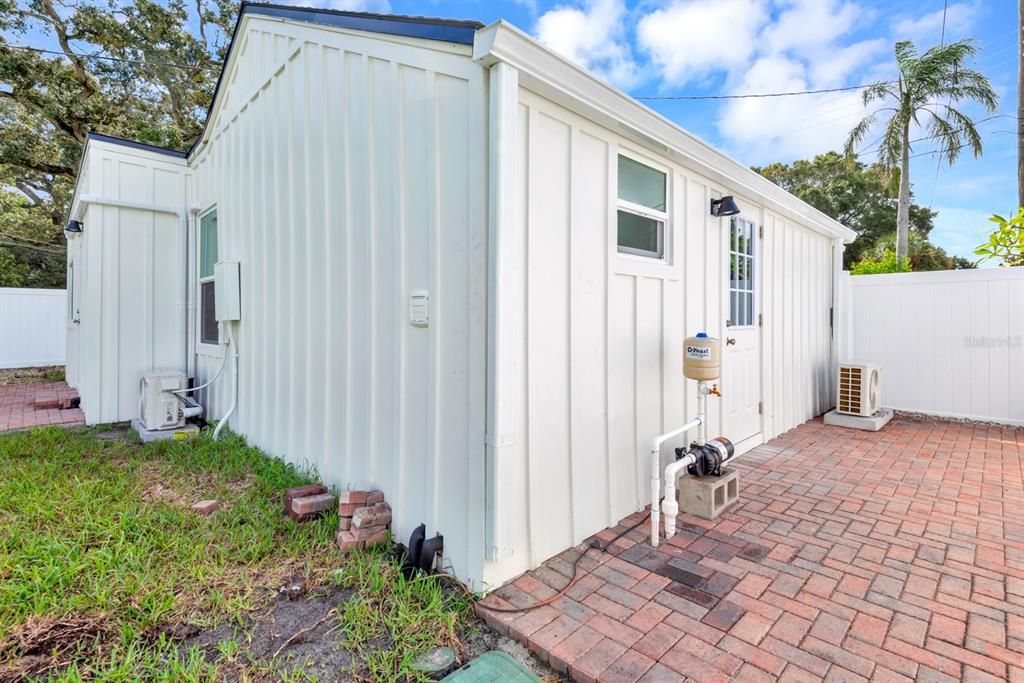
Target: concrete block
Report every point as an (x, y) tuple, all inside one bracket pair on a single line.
[(148, 436), (708, 497), (870, 423)]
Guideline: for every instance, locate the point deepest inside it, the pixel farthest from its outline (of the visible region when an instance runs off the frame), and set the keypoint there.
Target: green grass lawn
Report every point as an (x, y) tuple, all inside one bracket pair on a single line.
[(101, 560)]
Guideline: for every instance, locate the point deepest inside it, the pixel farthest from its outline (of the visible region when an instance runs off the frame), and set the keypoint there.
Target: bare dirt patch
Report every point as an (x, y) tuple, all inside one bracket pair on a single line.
[(25, 375), (41, 644), (296, 631)]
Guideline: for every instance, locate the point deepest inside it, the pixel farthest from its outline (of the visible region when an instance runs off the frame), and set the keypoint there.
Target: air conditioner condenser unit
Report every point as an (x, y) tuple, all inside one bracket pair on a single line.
[(160, 409), (858, 389)]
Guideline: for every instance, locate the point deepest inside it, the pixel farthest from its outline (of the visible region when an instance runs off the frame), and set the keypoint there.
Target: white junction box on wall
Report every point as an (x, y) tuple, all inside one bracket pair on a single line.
[(227, 294)]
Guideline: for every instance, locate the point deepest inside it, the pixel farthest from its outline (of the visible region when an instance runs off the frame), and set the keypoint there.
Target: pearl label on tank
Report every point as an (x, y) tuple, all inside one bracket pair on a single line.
[(698, 352)]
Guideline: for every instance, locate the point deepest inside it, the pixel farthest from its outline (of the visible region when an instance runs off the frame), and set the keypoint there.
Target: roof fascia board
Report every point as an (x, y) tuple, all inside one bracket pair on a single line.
[(138, 146), (552, 76), (137, 149)]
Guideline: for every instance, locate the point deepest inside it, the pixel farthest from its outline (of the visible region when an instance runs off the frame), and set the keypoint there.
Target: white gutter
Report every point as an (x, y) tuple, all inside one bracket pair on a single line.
[(182, 215)]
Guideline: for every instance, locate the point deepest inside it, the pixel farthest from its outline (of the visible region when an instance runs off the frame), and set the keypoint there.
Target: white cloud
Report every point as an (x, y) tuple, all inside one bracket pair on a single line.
[(801, 48), (834, 68), (927, 29), (592, 36), (804, 26), (691, 39), (763, 130)]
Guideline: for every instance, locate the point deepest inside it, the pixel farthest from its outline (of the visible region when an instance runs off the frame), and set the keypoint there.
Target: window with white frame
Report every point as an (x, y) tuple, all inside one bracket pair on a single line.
[(642, 210), (208, 332), (741, 273)]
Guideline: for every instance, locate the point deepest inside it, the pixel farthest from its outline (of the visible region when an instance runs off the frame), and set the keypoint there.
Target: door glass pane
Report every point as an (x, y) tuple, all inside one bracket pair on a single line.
[(207, 244), (640, 234), (741, 272), (641, 184)]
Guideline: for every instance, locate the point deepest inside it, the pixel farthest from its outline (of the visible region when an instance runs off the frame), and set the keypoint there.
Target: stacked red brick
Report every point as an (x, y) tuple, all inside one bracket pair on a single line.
[(363, 519), (304, 503)]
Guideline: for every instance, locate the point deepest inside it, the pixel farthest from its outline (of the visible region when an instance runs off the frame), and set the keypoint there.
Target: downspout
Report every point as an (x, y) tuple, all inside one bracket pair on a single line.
[(85, 200), (502, 331)]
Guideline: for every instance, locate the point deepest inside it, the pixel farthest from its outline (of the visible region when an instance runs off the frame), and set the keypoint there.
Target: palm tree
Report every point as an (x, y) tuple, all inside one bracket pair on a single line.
[(924, 82)]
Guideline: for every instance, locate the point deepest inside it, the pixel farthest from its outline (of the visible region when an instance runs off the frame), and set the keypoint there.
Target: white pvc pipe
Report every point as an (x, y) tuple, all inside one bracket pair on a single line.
[(234, 384), (671, 505), (656, 443)]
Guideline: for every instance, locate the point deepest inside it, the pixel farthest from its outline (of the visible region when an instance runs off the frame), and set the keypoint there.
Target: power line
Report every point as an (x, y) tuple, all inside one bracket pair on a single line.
[(26, 239), (28, 246), (762, 94), (29, 48), (938, 162), (868, 149)]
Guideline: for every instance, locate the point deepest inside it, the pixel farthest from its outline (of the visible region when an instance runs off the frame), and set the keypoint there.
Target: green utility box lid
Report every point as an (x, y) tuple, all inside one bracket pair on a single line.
[(492, 667)]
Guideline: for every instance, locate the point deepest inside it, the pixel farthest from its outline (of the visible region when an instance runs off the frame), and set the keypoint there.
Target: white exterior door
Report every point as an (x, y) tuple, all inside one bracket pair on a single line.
[(741, 371)]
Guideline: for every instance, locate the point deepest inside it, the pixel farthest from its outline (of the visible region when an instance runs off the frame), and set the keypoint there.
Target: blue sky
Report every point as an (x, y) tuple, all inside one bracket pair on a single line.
[(714, 47), (703, 47)]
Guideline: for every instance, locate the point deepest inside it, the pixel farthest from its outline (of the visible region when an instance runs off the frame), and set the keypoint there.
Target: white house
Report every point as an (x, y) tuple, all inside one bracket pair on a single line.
[(467, 268)]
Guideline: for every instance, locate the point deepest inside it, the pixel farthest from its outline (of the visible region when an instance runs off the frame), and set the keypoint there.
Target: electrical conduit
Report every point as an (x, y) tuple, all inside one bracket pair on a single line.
[(234, 380)]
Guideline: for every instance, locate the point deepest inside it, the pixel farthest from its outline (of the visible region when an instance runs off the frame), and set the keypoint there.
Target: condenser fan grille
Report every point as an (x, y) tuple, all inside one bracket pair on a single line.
[(858, 390), (850, 389)]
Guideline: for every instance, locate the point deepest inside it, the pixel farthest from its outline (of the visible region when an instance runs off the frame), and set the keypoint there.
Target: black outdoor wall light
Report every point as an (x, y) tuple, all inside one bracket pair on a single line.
[(72, 228), (726, 206)]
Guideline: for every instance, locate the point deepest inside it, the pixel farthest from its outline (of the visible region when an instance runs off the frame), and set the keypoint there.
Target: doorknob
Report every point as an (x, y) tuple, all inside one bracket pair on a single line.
[(729, 341)]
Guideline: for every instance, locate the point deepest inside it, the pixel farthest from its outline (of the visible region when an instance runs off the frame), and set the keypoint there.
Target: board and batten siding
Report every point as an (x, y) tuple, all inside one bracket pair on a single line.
[(348, 171), (599, 346), (126, 278)]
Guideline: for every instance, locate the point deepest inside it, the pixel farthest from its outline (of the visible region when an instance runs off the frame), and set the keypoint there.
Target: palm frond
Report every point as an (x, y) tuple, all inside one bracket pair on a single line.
[(858, 133)]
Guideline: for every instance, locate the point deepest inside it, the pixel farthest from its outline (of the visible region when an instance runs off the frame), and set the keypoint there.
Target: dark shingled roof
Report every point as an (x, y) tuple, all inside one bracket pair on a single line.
[(136, 145), (429, 28)]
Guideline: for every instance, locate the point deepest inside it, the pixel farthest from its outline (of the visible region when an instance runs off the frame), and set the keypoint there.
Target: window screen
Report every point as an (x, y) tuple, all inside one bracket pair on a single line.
[(207, 244), (741, 273), (208, 327), (641, 209)]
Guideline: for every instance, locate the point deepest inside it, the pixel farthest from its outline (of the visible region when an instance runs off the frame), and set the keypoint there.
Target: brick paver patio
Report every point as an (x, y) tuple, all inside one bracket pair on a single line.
[(36, 404), (851, 556)]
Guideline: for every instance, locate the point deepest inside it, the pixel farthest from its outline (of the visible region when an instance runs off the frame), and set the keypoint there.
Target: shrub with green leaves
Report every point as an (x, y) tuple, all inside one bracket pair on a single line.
[(886, 263), (1006, 242)]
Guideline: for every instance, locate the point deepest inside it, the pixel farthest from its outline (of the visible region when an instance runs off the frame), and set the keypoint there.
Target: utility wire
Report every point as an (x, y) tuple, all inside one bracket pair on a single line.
[(29, 48), (938, 162), (761, 94), (26, 239), (28, 246)]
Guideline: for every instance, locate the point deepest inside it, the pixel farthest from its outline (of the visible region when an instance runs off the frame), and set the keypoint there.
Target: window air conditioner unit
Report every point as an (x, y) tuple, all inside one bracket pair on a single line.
[(858, 389)]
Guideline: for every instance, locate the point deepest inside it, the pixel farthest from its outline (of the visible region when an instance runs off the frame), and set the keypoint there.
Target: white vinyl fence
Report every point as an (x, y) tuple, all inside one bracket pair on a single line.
[(948, 342), (32, 327)]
